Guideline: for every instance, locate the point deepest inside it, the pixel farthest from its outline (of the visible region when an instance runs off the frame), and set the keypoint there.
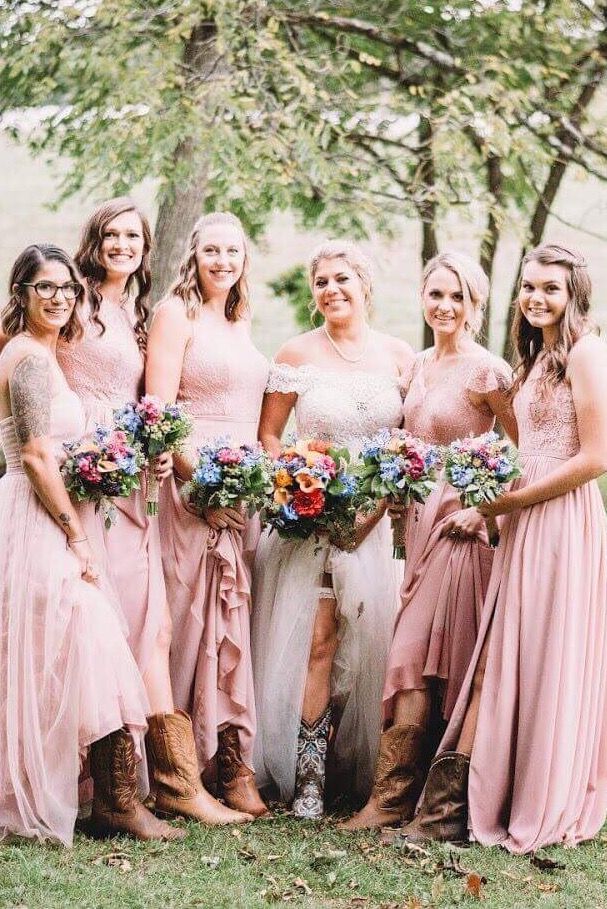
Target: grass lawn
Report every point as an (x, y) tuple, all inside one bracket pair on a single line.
[(305, 864)]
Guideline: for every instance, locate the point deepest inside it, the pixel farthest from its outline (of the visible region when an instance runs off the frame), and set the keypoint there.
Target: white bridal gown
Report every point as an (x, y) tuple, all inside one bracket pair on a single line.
[(343, 407)]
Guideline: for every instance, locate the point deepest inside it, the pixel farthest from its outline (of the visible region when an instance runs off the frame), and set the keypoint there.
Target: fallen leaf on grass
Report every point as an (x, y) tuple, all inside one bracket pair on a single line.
[(211, 861), (353, 884), (547, 888), (331, 879), (454, 865), (274, 858), (438, 886), (358, 900), (247, 855), (237, 832), (117, 860), (302, 884), (474, 886), (546, 864)]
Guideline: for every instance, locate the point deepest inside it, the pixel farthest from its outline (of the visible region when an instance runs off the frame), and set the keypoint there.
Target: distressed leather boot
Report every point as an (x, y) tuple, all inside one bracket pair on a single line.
[(174, 770), (399, 779), (443, 812), (116, 805), (236, 780), (312, 741)]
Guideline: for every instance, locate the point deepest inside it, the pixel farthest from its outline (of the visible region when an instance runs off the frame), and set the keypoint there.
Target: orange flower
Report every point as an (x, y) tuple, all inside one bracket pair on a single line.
[(106, 466), (308, 483), (312, 457), (319, 445), (282, 496), (282, 477), (396, 444)]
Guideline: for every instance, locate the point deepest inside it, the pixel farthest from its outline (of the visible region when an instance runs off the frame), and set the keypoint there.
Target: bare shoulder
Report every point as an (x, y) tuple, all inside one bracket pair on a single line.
[(296, 351), (589, 347), (170, 312), (399, 351)]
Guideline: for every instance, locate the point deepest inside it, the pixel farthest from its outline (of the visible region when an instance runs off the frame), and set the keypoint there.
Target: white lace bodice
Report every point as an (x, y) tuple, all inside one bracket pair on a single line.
[(338, 405)]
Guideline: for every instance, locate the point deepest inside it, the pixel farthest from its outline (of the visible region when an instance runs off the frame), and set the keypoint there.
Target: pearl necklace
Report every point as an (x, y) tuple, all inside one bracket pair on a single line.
[(340, 352)]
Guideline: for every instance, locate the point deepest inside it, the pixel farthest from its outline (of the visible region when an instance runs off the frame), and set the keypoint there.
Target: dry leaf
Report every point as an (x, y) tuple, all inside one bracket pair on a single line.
[(331, 878), (548, 888), (237, 832), (302, 884), (438, 885), (353, 884), (211, 861), (474, 886), (412, 903), (546, 864), (117, 860), (247, 855), (274, 858)]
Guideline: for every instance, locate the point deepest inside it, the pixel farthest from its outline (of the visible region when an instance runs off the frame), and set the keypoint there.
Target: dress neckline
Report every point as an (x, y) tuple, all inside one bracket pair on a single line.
[(313, 367)]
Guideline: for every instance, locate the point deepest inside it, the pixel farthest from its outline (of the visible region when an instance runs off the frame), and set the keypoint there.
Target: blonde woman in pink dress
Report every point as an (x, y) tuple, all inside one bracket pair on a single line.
[(56, 627), (457, 389), (523, 761), (106, 369), (200, 353)]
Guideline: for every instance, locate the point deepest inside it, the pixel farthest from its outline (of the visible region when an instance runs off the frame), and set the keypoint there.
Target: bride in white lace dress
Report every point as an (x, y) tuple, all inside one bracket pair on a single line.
[(323, 617)]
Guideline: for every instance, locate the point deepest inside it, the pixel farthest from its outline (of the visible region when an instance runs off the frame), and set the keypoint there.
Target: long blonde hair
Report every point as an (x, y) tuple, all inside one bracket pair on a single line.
[(473, 281), (187, 286), (576, 321)]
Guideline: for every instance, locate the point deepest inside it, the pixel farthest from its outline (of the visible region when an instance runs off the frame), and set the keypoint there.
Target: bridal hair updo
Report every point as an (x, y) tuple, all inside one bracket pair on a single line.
[(353, 256), (576, 321), (473, 281), (187, 286), (24, 271), (88, 260)]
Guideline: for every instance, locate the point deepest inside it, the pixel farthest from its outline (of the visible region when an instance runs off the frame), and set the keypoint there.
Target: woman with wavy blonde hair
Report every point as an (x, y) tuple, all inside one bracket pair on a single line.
[(200, 353), (456, 389)]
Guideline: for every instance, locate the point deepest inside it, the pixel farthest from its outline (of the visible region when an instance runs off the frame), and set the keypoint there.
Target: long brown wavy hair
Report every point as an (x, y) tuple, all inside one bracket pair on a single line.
[(529, 341), (187, 286), (24, 271), (89, 262)]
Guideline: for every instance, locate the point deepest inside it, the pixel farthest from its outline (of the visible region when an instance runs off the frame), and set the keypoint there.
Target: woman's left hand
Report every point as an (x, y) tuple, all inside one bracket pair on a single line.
[(504, 504), (464, 524), (162, 466)]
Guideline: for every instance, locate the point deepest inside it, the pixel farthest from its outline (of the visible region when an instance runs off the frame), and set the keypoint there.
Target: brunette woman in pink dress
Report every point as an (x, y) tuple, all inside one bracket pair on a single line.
[(106, 369), (56, 627), (200, 353), (457, 389), (523, 761)]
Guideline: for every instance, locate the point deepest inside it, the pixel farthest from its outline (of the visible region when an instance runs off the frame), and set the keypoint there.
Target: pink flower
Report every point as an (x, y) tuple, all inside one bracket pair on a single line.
[(229, 456), (150, 408), (415, 465), (326, 463)]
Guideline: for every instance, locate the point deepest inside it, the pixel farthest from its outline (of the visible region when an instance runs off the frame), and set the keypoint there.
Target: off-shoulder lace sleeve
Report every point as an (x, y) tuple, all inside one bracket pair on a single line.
[(287, 379), (489, 375)]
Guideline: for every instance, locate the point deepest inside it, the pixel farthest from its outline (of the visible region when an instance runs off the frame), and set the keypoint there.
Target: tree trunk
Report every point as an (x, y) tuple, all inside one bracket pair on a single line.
[(427, 206), (491, 236), (180, 205)]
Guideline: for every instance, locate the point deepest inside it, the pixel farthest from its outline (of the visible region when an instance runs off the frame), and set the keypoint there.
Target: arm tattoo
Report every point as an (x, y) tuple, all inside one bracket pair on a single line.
[(31, 398), (64, 519)]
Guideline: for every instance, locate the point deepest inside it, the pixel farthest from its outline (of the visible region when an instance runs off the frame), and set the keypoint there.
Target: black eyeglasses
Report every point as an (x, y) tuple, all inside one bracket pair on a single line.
[(47, 290)]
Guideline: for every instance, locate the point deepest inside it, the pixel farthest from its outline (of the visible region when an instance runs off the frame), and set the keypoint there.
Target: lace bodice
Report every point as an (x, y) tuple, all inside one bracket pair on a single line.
[(104, 369), (343, 406), (546, 426), (443, 412), (223, 380)]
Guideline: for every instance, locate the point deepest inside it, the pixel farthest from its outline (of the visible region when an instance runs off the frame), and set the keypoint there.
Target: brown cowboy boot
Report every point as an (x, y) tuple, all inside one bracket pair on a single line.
[(174, 769), (443, 813), (236, 780), (116, 806), (399, 779)]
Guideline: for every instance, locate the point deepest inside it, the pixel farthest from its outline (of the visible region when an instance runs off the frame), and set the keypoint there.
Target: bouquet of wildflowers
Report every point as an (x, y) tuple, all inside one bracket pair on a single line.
[(400, 467), (100, 467), (479, 469), (228, 477), (157, 427), (313, 490)]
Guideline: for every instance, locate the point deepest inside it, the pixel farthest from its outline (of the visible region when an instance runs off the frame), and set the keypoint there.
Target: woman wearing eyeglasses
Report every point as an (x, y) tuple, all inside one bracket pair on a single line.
[(56, 627)]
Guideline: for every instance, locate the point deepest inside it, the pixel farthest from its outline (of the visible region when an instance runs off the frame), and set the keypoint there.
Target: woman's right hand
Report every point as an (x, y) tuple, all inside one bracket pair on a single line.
[(222, 518), (89, 570), (397, 511)]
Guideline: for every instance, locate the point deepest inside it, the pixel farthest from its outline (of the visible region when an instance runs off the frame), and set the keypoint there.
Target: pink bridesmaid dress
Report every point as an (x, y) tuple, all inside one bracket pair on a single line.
[(445, 578), (538, 772), (106, 370), (67, 677), (208, 582)]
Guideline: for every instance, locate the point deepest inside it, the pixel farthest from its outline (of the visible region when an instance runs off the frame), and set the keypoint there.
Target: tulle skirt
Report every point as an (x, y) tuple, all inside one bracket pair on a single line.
[(67, 677), (286, 583), (538, 770)]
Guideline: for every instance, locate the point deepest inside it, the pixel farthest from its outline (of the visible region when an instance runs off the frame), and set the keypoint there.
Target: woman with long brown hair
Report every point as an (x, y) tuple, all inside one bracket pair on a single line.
[(106, 369), (200, 352), (522, 763), (67, 677)]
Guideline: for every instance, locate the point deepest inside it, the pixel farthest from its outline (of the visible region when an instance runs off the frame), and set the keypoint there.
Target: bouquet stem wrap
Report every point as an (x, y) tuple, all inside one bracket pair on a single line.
[(398, 537), (153, 493)]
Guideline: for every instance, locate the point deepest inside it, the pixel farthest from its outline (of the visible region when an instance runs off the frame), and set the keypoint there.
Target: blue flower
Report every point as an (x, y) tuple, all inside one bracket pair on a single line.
[(128, 465), (207, 474), (349, 483), (289, 513), (462, 476), (389, 470)]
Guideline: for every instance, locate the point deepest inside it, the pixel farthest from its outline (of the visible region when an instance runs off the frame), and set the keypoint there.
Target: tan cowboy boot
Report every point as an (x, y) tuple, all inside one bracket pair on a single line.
[(236, 780), (443, 812), (174, 771), (116, 805), (399, 778)]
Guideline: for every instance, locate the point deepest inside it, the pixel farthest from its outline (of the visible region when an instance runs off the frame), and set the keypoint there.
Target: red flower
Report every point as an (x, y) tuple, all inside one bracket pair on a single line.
[(415, 466), (309, 504)]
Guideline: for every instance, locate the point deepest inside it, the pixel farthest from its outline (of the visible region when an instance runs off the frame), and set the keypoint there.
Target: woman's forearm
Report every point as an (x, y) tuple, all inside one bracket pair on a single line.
[(580, 469), (44, 475)]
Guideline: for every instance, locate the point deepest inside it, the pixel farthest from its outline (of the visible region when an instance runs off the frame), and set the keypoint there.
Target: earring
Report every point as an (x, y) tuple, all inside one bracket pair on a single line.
[(467, 326)]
